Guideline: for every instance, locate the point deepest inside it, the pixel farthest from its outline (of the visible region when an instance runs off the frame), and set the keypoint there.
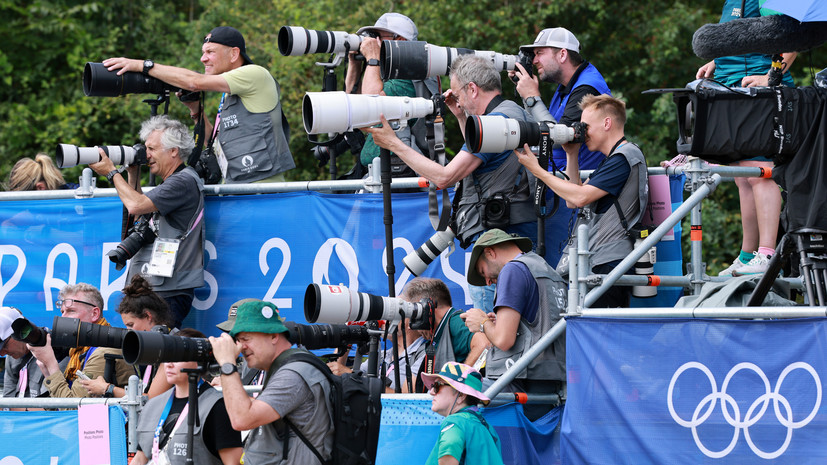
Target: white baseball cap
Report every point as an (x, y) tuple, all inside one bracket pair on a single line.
[(558, 37), (7, 317), (394, 23)]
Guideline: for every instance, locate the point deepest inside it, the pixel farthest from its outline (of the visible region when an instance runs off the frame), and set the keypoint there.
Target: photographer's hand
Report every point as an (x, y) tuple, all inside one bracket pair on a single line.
[(104, 166), (225, 349), (385, 136), (45, 356), (123, 65), (706, 71), (96, 387), (527, 85), (528, 159)]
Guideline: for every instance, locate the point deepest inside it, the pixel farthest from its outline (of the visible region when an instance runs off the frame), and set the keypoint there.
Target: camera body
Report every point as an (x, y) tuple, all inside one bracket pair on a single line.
[(141, 234), (496, 211)]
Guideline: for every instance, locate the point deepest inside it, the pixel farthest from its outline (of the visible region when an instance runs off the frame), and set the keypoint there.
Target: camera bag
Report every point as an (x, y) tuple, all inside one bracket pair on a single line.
[(357, 406)]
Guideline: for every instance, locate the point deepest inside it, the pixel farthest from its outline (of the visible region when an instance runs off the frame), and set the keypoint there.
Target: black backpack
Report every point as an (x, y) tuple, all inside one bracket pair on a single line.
[(357, 406)]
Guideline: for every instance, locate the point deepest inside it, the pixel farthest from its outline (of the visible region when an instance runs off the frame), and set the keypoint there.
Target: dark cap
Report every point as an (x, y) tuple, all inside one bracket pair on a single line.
[(229, 36), (487, 239)]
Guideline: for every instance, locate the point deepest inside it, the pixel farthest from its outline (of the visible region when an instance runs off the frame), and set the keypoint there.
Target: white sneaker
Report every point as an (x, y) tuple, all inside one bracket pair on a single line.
[(737, 264), (759, 264)]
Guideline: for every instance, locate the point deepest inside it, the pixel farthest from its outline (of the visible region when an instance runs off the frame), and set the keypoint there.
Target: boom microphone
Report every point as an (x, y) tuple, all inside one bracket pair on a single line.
[(767, 35)]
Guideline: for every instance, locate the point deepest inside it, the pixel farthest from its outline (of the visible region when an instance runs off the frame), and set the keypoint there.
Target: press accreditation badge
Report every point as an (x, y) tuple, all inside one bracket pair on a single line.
[(162, 262)]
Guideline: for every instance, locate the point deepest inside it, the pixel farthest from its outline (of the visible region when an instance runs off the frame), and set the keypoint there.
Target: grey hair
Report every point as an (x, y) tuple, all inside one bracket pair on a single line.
[(89, 292), (480, 71), (174, 134)]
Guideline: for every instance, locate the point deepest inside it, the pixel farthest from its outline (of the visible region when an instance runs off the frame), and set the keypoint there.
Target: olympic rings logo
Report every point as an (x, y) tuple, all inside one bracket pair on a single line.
[(753, 414)]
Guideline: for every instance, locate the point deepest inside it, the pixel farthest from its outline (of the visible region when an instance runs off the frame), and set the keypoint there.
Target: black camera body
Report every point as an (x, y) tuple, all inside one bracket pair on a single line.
[(496, 211), (141, 234)]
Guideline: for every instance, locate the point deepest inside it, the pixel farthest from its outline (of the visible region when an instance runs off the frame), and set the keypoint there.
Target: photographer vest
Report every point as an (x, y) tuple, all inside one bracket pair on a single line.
[(510, 180), (265, 444), (551, 363), (189, 263), (445, 347), (609, 240), (256, 145), (176, 446), (586, 75)]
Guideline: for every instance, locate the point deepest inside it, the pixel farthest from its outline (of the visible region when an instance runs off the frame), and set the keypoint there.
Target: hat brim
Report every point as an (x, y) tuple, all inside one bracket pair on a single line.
[(474, 277), (383, 29), (246, 57), (428, 381), (226, 326)]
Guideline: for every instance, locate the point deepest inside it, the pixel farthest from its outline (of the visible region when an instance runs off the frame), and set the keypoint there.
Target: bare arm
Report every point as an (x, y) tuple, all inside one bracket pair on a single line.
[(500, 328), (179, 77), (478, 343), (133, 200), (463, 164), (230, 456)]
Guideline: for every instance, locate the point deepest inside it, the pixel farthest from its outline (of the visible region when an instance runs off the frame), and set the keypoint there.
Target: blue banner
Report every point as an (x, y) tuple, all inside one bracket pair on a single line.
[(264, 246), (32, 438), (409, 430), (695, 391)]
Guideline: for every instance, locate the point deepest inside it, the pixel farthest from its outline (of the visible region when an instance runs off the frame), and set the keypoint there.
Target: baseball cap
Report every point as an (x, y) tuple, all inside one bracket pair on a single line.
[(394, 23), (489, 238), (461, 377), (229, 36), (228, 325), (258, 316), (7, 317), (558, 37)]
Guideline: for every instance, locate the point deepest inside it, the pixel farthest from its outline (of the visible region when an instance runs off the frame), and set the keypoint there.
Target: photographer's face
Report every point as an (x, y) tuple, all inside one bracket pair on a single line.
[(259, 349), (14, 349), (79, 309), (545, 60), (173, 372), (461, 92), (216, 58), (137, 323), (595, 136), (159, 159)]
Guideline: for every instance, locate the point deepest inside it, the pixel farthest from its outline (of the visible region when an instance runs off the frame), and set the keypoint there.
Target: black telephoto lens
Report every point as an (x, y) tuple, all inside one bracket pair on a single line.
[(150, 348), (25, 331)]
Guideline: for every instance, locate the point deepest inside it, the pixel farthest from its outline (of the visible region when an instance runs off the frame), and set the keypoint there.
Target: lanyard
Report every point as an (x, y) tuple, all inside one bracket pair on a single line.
[(23, 383), (156, 440), (218, 116)]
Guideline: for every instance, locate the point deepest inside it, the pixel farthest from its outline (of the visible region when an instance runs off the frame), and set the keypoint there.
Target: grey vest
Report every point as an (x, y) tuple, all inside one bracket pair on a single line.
[(176, 447), (265, 444), (479, 187), (445, 347), (34, 383), (551, 363), (608, 240), (189, 263), (256, 144)]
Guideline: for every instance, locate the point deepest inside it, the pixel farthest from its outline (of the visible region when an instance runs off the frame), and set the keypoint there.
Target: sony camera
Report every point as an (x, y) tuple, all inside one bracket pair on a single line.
[(492, 133), (100, 82), (67, 155), (338, 112), (352, 140), (399, 59), (338, 304), (141, 235), (418, 261)]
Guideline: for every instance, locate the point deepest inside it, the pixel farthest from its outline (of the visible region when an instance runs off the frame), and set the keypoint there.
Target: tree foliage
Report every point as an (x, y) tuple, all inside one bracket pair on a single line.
[(637, 46)]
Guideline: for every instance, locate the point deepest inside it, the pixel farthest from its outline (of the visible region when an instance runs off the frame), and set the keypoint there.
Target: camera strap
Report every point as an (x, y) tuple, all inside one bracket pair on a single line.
[(435, 137)]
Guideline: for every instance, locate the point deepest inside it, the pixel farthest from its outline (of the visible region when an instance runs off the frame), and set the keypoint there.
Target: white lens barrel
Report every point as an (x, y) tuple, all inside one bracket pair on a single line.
[(497, 133), (338, 112)]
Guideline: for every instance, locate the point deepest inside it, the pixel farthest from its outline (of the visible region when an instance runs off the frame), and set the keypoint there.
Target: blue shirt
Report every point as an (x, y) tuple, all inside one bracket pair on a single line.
[(516, 288), (610, 176)]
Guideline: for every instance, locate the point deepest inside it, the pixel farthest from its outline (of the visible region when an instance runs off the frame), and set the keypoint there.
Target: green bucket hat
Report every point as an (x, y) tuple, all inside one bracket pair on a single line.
[(258, 317), (487, 239)]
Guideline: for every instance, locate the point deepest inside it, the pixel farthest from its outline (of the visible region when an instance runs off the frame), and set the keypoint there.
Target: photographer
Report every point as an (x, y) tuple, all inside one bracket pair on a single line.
[(490, 181), (22, 377), (176, 208), (165, 417), (557, 58), (367, 80), (294, 391), (619, 184), (251, 135), (84, 302), (530, 298)]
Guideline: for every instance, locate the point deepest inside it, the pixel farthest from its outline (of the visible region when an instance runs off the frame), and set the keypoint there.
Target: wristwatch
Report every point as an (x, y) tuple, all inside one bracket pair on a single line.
[(482, 326), (110, 391), (531, 101), (148, 64), (228, 369), (373, 62), (110, 176)]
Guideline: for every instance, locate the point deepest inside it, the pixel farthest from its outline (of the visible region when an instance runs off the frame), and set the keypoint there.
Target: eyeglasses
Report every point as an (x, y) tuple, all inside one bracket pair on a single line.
[(68, 303), (437, 386)]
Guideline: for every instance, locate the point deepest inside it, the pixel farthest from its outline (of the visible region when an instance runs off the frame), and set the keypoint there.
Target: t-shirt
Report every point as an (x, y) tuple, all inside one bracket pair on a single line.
[(517, 288), (611, 175), (255, 86), (462, 435), (460, 335), (176, 199)]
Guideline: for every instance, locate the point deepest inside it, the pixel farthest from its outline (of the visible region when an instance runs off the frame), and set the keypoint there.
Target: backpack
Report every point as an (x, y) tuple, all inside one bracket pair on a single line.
[(357, 406)]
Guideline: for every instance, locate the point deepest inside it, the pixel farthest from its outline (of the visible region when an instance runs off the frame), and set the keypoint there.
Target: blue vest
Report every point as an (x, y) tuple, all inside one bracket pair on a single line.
[(589, 76)]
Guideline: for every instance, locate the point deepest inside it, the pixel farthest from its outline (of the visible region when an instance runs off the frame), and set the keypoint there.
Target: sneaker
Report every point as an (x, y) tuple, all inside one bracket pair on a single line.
[(737, 264), (759, 264)]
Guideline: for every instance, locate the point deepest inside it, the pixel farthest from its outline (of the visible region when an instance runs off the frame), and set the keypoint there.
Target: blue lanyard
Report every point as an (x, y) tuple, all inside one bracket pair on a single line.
[(165, 413)]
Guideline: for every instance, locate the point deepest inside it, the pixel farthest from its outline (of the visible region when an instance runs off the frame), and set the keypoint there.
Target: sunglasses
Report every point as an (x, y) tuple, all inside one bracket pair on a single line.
[(437, 386)]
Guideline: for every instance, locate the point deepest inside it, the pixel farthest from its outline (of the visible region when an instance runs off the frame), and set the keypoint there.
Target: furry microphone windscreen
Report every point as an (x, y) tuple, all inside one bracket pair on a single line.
[(766, 35)]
